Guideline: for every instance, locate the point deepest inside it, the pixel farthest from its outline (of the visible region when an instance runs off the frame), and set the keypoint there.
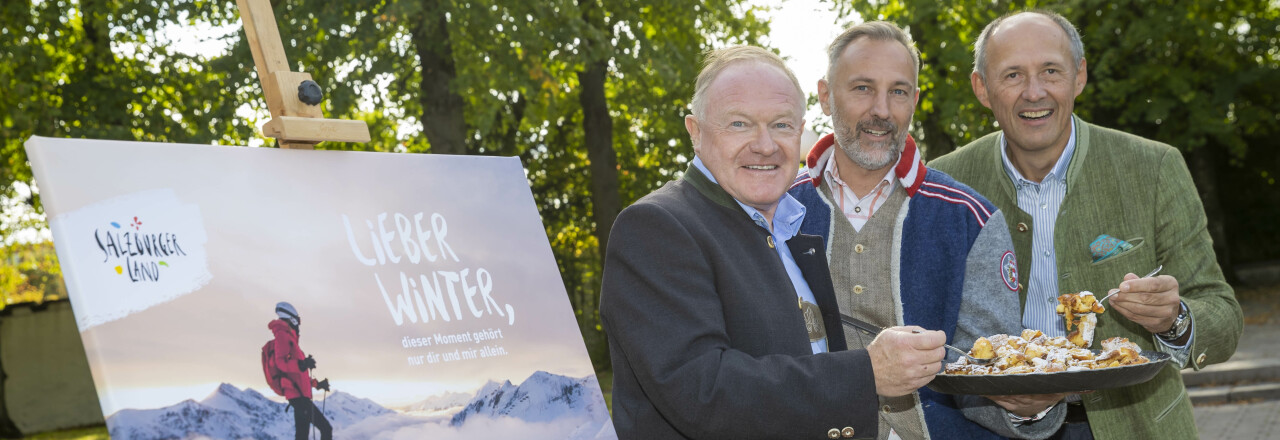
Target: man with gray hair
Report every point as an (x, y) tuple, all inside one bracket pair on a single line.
[(907, 244), (720, 316), (1087, 207)]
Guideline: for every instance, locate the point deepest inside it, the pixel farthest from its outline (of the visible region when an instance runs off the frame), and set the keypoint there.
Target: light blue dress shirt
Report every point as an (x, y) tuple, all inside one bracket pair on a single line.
[(1042, 201), (786, 223)]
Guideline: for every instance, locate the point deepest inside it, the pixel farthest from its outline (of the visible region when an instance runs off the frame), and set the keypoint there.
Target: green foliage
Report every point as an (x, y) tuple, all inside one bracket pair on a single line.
[(1210, 83), (30, 273), (106, 69), (1198, 75), (1183, 72), (98, 69)]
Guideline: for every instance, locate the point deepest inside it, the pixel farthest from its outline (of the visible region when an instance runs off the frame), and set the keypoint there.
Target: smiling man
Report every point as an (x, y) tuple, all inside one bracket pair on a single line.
[(720, 316), (1088, 206), (908, 244)]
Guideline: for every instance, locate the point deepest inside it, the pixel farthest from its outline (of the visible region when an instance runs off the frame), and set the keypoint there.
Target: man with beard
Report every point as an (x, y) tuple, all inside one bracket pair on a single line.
[(907, 245), (721, 319), (1087, 207)]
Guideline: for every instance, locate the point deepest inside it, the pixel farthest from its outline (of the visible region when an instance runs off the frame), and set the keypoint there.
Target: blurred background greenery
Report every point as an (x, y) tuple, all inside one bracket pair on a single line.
[(590, 95)]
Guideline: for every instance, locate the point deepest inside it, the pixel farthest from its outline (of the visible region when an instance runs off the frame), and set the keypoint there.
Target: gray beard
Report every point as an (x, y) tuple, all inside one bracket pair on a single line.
[(878, 156)]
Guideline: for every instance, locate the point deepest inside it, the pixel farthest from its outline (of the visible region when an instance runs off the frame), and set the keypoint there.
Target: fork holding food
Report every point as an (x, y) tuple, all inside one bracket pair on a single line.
[(1154, 303)]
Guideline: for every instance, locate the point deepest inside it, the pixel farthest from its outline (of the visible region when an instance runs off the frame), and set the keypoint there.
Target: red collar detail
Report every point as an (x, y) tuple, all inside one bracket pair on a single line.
[(910, 168)]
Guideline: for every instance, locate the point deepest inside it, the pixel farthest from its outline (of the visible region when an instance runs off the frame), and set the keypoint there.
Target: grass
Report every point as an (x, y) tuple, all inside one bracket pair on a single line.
[(94, 433), (606, 385)]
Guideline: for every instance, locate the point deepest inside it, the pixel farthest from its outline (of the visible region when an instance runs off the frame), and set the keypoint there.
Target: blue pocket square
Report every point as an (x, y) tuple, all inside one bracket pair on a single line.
[(1106, 246)]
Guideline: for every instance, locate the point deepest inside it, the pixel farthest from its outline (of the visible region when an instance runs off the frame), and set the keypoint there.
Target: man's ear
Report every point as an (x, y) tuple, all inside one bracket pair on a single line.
[(1082, 77), (979, 89), (691, 125), (824, 96)]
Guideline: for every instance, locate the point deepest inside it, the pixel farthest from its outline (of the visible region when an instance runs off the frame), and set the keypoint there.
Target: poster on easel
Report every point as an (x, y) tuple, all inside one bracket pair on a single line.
[(222, 291)]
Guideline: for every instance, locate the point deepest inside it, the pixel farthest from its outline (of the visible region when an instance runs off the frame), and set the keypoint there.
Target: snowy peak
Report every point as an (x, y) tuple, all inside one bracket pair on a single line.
[(574, 406), (229, 398), (344, 409), (542, 397), (490, 387), (231, 413)]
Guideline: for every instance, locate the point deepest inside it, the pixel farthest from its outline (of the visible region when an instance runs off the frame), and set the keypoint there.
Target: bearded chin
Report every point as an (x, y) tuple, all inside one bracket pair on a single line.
[(876, 156)]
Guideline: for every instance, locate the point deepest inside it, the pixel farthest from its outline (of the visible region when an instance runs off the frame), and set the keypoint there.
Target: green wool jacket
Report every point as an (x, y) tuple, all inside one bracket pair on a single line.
[(1140, 191)]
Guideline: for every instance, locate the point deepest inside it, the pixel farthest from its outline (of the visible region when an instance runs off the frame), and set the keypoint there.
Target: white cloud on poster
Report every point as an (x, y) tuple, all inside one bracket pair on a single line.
[(398, 427), (130, 253)]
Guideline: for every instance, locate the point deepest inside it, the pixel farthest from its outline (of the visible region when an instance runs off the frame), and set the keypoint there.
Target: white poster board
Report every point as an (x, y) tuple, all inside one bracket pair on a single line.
[(427, 291)]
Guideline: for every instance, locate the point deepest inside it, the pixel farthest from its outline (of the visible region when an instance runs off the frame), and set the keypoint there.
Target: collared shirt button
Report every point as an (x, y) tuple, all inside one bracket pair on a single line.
[(1044, 206), (1022, 227), (1200, 358), (857, 209), (847, 432), (858, 289), (1046, 253), (885, 408), (858, 248), (833, 433)]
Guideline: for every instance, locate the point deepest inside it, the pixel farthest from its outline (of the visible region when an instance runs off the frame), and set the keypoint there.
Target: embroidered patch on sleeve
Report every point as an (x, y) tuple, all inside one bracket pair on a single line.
[(1009, 270)]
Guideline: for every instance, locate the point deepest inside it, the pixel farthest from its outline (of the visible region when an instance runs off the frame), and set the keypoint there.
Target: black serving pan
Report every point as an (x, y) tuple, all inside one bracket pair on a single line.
[(1049, 383)]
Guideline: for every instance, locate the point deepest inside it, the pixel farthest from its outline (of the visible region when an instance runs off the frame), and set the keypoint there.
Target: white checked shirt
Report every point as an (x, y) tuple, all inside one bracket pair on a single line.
[(1042, 200), (856, 209)]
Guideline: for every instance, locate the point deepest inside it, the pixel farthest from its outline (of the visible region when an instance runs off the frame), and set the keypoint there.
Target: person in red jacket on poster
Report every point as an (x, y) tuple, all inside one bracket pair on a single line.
[(292, 371)]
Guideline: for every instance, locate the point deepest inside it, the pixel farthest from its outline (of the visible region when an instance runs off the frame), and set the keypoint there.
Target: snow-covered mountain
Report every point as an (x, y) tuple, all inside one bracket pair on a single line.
[(543, 397), (545, 406), (232, 413)]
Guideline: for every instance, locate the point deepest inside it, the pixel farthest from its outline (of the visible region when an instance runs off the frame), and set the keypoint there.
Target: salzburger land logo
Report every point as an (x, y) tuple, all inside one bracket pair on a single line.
[(138, 254)]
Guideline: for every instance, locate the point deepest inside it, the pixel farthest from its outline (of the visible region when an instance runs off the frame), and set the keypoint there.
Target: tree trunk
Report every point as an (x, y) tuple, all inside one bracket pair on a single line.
[(1203, 163), (597, 127), (606, 202), (442, 107)]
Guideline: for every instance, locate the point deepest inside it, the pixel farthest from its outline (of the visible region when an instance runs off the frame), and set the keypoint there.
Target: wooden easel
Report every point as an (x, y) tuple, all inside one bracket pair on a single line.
[(294, 124)]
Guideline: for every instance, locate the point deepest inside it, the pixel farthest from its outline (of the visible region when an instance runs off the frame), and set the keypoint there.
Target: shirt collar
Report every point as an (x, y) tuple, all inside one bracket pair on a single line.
[(909, 169), (787, 217), (831, 172), (1059, 170)]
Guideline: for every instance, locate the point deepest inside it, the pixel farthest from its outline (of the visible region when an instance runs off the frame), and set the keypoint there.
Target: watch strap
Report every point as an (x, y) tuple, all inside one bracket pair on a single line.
[(1180, 324)]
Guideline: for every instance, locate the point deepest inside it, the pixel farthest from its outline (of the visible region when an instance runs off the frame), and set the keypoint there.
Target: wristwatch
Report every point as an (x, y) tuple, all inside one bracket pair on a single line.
[(1180, 324), (1019, 420)]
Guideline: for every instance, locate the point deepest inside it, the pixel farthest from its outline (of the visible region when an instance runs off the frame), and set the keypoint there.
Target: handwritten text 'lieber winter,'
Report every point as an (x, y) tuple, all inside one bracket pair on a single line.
[(423, 297)]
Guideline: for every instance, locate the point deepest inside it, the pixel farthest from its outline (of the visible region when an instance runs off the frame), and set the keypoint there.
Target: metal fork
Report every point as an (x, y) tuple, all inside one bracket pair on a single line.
[(874, 330), (1115, 291)]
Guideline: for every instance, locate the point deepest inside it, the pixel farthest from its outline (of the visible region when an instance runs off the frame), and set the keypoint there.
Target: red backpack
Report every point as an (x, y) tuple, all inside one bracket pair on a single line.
[(269, 368)]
